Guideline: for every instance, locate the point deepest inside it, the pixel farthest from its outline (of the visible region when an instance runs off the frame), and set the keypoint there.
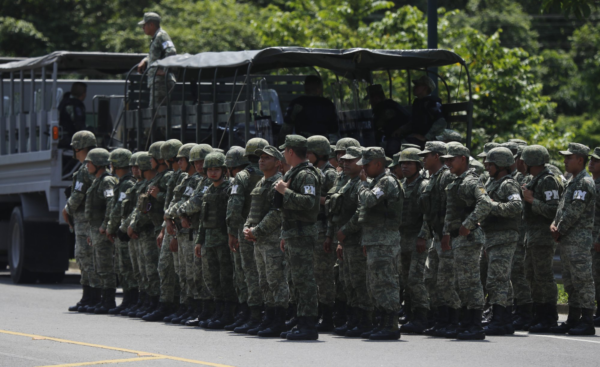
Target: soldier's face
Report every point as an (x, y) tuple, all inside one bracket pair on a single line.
[(199, 165), (215, 173), (373, 168), (573, 163), (457, 164), (350, 167), (429, 160), (312, 158), (149, 29), (491, 168), (266, 163), (135, 171), (154, 163), (90, 167), (594, 165), (397, 170), (409, 169), (183, 163)]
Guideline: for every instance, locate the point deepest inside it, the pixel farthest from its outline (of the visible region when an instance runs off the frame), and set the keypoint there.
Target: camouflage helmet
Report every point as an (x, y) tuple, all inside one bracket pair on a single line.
[(170, 149), (143, 161), (218, 150), (154, 150), (83, 139), (199, 152), (98, 157), (344, 143), (486, 148), (410, 155), (214, 160), (501, 157), (319, 145), (237, 156), (120, 158), (252, 146), (535, 155), (512, 146), (134, 158), (184, 150)]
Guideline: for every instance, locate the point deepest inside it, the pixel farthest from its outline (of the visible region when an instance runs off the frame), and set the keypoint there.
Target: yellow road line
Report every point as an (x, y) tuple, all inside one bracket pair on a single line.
[(105, 362), (139, 353)]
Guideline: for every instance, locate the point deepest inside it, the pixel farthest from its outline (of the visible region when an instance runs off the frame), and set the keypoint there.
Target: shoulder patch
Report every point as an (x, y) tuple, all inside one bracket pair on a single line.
[(377, 192), (188, 191), (551, 195), (514, 197), (234, 189), (579, 195), (309, 190), (122, 196), (109, 193), (167, 44), (78, 186)]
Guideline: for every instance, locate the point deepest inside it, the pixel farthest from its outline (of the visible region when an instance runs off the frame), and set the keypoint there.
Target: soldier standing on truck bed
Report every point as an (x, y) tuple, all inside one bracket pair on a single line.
[(71, 112)]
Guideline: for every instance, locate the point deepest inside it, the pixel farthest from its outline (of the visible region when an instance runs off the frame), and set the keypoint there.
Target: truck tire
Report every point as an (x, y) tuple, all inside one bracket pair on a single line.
[(16, 249)]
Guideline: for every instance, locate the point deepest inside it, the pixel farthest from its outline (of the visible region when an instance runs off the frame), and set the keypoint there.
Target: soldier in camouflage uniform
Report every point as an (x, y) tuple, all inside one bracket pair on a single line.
[(98, 202), (594, 168), (238, 209), (439, 274), (189, 212), (468, 205), (298, 199), (119, 160), (413, 257), (82, 142), (502, 232), (572, 228), (161, 46), (263, 227), (212, 242), (541, 193)]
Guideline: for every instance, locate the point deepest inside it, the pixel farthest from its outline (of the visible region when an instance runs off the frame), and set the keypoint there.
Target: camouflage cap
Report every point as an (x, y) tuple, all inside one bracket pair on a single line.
[(477, 166), (518, 141), (154, 150), (199, 152), (595, 153), (318, 144), (235, 157), (501, 157), (143, 161), (353, 153), (395, 160), (151, 16), (535, 155), (120, 158), (450, 135), (576, 148), (83, 139), (512, 146), (253, 144), (184, 151), (406, 146), (134, 158), (170, 149), (332, 151), (438, 147), (371, 153), (344, 143), (98, 157), (373, 90), (270, 150), (457, 150), (486, 148), (410, 155), (294, 141), (426, 81), (214, 160)]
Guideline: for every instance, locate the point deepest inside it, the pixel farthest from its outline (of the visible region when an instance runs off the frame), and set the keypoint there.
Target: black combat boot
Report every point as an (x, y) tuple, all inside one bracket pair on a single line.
[(441, 321), (163, 310), (217, 313), (151, 305), (586, 324), (253, 321), (572, 321), (130, 312), (189, 311), (292, 317), (524, 317), (95, 301), (85, 298), (225, 319), (546, 316), (276, 326), (180, 311), (326, 324), (407, 314), (134, 295), (418, 324), (204, 312), (266, 322), (496, 325), (508, 317), (124, 304), (242, 317), (365, 323), (351, 321), (306, 330), (389, 328), (108, 301), (451, 329), (475, 330), (340, 313), (597, 318)]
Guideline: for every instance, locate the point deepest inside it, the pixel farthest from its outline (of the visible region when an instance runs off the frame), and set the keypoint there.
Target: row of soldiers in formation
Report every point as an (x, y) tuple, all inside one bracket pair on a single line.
[(285, 244)]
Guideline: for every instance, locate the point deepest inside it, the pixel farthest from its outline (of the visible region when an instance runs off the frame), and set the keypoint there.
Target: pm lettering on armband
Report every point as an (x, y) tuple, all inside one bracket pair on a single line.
[(551, 195), (579, 195), (309, 190)]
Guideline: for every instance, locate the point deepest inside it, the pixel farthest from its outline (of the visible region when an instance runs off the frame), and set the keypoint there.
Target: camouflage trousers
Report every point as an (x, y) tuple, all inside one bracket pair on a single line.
[(288, 274), (84, 254), (159, 90), (430, 276), (150, 254), (446, 292), (104, 258), (217, 269), (251, 276), (340, 284), (135, 265), (169, 280), (185, 259), (239, 280), (354, 271), (499, 262), (520, 285), (538, 270), (270, 264), (140, 260), (302, 271), (324, 271), (468, 277), (412, 269), (383, 279), (200, 290), (576, 263), (596, 273), (124, 266)]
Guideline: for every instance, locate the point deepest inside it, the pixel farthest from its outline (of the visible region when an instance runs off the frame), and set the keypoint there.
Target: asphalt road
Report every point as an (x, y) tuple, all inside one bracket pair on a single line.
[(37, 330)]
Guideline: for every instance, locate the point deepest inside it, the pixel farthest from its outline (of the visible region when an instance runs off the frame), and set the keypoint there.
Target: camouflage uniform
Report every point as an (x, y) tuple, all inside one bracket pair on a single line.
[(137, 260), (520, 286), (596, 239)]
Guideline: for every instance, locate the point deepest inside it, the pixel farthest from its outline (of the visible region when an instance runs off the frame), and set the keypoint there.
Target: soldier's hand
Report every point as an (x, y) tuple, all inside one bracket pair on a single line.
[(248, 235), (339, 251), (282, 245), (362, 175), (464, 231), (555, 233), (132, 234), (102, 230), (174, 245), (527, 195), (234, 244), (421, 245), (89, 241), (185, 222), (170, 227), (153, 191), (111, 238), (446, 243), (66, 218), (341, 236), (198, 250), (327, 244), (159, 239), (141, 66), (281, 186), (597, 247)]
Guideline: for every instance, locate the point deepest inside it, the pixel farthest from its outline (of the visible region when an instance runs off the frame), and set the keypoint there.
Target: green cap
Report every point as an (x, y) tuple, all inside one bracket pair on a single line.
[(535, 155), (371, 153), (170, 149), (426, 81), (199, 152), (374, 89), (236, 156), (518, 141), (456, 150), (409, 155), (395, 160), (134, 158), (486, 148), (406, 146), (154, 150), (353, 153), (438, 147), (344, 143), (596, 153), (120, 158), (150, 17), (294, 141), (253, 144), (501, 157), (184, 151), (450, 135), (318, 144), (98, 157), (270, 150), (143, 162), (576, 148), (83, 139)]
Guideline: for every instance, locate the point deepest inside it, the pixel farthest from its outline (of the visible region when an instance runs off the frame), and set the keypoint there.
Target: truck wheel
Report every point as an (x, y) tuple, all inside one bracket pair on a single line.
[(16, 249)]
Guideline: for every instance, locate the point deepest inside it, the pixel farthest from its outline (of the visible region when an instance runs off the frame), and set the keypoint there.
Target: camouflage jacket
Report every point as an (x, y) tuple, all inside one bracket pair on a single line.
[(576, 208), (539, 215), (98, 200), (161, 46), (268, 230), (141, 221), (412, 213), (194, 204), (128, 205), (157, 210), (301, 202), (518, 176), (433, 203), (339, 182), (191, 184), (596, 232), (116, 212), (82, 180), (239, 201), (330, 175), (212, 237), (468, 203), (174, 180), (501, 226), (347, 218)]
